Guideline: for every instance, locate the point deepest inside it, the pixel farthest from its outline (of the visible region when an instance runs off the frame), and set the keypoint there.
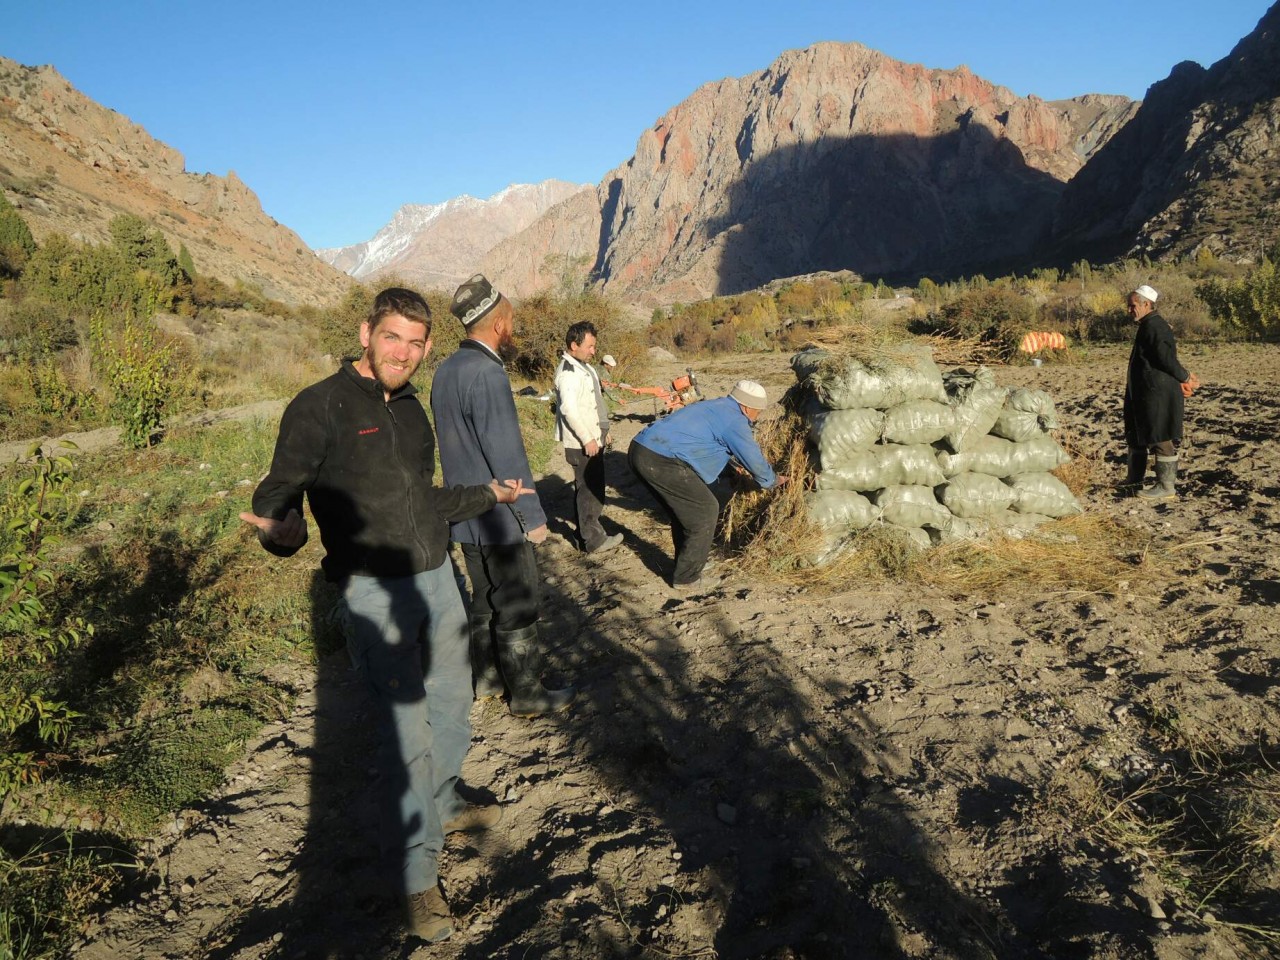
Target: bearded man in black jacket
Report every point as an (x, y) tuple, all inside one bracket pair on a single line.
[(359, 446)]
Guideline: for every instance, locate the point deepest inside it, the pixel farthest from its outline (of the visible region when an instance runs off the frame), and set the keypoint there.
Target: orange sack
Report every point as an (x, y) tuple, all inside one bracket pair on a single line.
[(1035, 341)]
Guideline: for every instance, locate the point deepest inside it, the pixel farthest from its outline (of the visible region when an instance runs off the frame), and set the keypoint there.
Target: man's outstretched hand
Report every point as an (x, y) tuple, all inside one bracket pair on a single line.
[(508, 490), (289, 533)]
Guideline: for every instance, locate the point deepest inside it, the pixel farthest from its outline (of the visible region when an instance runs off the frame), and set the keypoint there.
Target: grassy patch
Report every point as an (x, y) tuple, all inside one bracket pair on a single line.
[(1203, 818), (199, 637)]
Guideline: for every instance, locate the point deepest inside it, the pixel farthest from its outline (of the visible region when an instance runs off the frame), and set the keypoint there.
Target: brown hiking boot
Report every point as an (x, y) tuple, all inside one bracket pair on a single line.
[(429, 917), (474, 819)]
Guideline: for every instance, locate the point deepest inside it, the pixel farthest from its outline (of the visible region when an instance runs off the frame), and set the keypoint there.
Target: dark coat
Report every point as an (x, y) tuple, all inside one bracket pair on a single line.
[(480, 437), (1152, 395), (365, 464)]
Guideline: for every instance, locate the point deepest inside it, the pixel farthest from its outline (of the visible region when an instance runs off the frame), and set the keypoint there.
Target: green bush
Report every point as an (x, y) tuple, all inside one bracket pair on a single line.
[(142, 375), (1249, 306), (31, 636), (993, 315), (16, 243)]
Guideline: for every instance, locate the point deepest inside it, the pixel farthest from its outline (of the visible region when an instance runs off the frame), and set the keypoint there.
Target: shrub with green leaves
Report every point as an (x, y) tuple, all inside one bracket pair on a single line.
[(141, 373), (16, 242), (993, 315), (1248, 306), (31, 637)]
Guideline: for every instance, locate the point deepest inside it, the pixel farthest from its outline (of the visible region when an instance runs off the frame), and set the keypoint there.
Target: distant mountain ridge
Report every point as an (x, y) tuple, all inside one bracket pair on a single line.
[(834, 157), (70, 165), (440, 245), (1199, 165)]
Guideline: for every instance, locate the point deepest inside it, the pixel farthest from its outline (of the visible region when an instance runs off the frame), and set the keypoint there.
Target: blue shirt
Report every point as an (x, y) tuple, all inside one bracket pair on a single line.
[(706, 435)]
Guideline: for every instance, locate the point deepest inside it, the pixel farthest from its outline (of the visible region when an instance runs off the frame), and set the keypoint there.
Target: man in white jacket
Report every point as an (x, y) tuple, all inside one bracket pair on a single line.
[(582, 425)]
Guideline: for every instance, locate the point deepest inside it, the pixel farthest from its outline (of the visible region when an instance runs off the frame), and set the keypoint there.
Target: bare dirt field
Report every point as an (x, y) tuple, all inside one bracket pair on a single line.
[(761, 770)]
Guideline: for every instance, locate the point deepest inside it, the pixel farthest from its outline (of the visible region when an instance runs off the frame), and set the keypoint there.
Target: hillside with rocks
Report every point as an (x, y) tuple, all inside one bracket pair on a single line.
[(1199, 164), (70, 165), (834, 157), (439, 244)]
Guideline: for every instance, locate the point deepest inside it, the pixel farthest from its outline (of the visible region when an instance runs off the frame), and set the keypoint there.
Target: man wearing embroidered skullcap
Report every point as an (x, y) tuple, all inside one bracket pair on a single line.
[(1153, 399), (680, 456), (476, 422)]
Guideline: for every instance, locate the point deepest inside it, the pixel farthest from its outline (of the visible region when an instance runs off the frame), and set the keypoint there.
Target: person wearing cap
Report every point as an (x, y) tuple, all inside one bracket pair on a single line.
[(582, 427), (359, 446), (476, 421), (681, 455), (1153, 398)]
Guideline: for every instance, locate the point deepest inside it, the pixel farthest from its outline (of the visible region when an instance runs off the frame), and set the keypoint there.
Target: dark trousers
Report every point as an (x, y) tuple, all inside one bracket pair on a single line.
[(689, 502), (588, 495), (504, 583)]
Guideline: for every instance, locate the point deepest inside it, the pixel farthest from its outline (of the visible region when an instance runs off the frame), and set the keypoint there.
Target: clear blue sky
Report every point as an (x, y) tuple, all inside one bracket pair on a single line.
[(335, 114)]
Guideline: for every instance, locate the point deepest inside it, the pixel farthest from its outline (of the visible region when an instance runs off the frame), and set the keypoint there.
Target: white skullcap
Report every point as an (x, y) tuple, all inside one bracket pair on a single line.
[(749, 394), (608, 360), (1147, 293)]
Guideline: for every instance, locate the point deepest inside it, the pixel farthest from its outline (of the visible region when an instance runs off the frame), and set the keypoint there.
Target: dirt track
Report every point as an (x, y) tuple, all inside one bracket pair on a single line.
[(758, 772)]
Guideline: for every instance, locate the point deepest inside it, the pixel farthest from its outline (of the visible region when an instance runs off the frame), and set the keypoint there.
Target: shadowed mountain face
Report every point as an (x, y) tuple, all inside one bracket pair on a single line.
[(70, 165), (835, 157), (1198, 165)]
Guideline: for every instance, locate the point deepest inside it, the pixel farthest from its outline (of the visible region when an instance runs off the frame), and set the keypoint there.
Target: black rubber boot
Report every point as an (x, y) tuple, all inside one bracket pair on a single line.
[(485, 678), (1166, 480), (1137, 461), (521, 661)]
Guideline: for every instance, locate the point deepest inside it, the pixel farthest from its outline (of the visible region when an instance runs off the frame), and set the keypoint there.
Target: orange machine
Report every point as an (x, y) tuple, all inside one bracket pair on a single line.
[(682, 391)]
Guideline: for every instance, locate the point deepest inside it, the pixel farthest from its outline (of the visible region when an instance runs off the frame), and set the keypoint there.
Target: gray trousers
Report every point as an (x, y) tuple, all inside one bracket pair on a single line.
[(408, 637)]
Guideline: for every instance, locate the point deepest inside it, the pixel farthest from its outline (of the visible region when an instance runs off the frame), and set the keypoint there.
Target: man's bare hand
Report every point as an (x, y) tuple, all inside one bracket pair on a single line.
[(782, 478), (289, 533), (591, 449), (508, 490), (1189, 387), (537, 534)]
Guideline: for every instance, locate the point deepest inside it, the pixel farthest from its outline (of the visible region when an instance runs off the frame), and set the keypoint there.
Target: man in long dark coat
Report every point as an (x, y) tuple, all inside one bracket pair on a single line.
[(1153, 396)]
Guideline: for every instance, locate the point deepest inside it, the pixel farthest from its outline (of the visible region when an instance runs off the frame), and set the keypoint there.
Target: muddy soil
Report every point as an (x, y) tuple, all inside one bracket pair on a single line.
[(761, 771)]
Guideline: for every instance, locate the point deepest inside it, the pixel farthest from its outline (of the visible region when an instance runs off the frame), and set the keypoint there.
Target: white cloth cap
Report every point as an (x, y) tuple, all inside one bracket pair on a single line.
[(1147, 293), (749, 394), (608, 360)]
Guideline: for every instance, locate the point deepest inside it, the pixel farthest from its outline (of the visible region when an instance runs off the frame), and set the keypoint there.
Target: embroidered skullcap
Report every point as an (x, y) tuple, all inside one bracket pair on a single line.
[(474, 299)]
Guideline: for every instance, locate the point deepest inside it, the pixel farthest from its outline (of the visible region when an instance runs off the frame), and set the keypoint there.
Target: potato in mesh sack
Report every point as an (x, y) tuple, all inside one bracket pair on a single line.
[(998, 457), (840, 511), (884, 465), (975, 495), (976, 403), (1027, 414), (1044, 494), (918, 421), (842, 383), (839, 434), (912, 506)]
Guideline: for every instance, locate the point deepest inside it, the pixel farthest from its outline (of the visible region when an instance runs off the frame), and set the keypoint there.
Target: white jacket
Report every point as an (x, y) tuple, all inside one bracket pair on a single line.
[(579, 419)]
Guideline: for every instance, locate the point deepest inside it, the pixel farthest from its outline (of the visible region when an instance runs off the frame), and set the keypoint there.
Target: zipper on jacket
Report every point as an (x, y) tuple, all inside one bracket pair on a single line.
[(395, 449)]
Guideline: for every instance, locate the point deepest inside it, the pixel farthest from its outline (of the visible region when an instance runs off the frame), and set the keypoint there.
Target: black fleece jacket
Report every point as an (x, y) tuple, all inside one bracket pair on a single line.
[(365, 464)]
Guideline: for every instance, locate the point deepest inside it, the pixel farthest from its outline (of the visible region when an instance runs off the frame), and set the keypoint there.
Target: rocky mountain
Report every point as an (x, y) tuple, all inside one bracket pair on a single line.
[(835, 157), (440, 245), (70, 165), (1199, 164)]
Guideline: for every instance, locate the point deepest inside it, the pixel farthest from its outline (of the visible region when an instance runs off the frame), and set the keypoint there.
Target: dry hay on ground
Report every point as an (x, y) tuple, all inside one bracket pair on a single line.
[(775, 539)]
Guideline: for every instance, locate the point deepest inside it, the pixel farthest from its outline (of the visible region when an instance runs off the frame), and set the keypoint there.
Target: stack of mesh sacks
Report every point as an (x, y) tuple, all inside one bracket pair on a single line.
[(940, 456)]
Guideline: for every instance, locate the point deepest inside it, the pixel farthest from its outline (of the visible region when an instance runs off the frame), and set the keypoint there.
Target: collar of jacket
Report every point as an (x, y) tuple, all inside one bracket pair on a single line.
[(371, 386), (574, 361), (484, 349)]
